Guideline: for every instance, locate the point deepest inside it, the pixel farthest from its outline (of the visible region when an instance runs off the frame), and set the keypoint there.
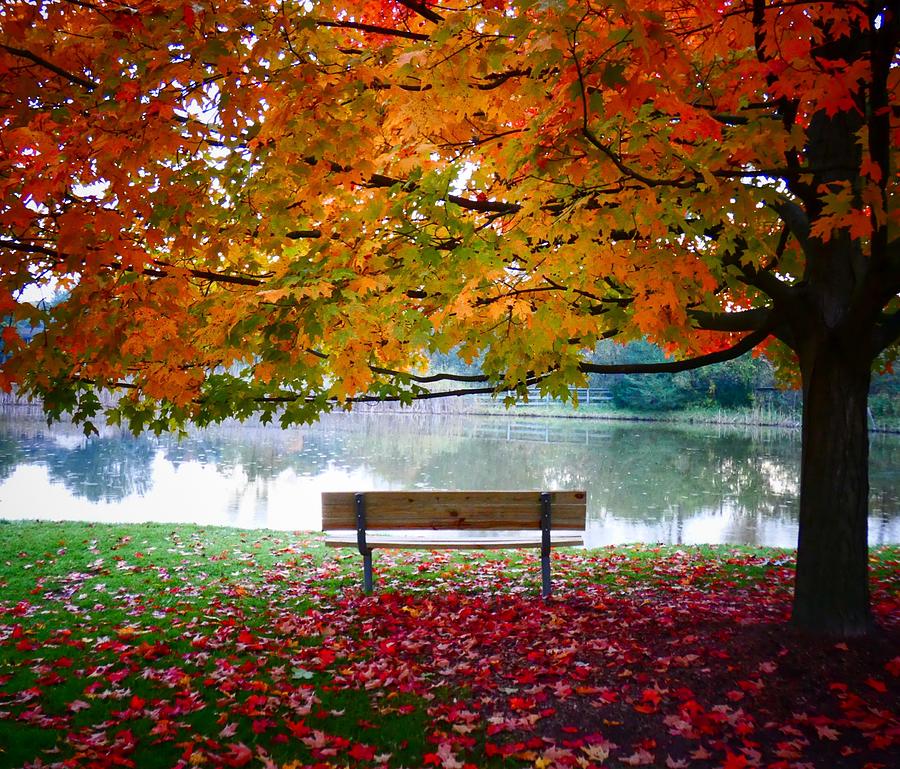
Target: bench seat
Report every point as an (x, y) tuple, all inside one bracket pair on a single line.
[(374, 541), (369, 520)]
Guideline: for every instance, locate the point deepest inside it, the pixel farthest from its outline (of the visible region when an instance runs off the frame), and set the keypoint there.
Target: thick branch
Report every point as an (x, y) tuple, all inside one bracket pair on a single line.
[(746, 320), (430, 378), (496, 79), (795, 218), (485, 206), (218, 277), (482, 206), (28, 248), (423, 396), (427, 379), (358, 399), (90, 85), (672, 367), (422, 10), (746, 344), (892, 260), (373, 28)]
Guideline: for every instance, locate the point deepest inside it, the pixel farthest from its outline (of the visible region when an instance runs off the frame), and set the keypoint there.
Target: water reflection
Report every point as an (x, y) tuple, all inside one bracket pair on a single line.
[(645, 482)]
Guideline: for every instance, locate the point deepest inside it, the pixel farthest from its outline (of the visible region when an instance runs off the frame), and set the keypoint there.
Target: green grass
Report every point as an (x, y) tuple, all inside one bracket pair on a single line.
[(227, 636)]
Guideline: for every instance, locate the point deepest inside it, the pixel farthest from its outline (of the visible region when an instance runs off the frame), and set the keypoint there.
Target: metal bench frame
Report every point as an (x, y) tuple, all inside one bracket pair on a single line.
[(365, 547)]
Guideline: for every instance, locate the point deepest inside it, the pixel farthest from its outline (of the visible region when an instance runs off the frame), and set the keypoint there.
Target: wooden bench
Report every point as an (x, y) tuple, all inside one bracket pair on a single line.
[(370, 518)]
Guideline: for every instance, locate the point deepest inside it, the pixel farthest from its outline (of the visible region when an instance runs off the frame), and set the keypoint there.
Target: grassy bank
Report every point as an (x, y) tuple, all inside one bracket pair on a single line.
[(163, 646), (757, 416), (886, 421)]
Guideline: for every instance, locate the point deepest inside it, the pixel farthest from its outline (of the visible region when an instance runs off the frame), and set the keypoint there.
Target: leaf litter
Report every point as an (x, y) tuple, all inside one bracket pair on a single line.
[(260, 650)]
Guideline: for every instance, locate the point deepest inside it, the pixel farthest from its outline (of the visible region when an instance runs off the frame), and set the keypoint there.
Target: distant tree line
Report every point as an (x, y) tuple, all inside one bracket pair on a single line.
[(726, 385), (738, 384)]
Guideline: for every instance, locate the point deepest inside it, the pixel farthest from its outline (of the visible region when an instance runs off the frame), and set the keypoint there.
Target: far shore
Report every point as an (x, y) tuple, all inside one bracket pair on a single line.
[(755, 416)]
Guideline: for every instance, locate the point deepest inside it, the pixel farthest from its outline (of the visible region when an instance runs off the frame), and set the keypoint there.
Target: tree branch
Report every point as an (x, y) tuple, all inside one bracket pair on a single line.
[(795, 218), (764, 280), (746, 320), (28, 248), (427, 379), (218, 277), (597, 144), (746, 344), (90, 85), (357, 399), (373, 28), (482, 206), (422, 10), (496, 79), (485, 206), (423, 396), (672, 367), (430, 378)]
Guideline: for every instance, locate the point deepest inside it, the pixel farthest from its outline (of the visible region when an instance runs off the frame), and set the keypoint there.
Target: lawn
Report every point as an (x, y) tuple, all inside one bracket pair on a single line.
[(178, 646)]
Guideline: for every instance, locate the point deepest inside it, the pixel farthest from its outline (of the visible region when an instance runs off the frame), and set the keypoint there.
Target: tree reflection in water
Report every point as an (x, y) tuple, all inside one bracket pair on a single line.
[(645, 482), (100, 469)]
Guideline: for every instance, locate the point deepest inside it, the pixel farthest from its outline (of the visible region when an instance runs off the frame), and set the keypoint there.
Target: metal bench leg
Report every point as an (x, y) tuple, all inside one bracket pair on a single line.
[(367, 571), (545, 545), (364, 550), (545, 576)]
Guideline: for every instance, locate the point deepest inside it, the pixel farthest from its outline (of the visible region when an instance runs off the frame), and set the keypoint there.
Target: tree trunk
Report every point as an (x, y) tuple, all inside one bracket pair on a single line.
[(832, 589)]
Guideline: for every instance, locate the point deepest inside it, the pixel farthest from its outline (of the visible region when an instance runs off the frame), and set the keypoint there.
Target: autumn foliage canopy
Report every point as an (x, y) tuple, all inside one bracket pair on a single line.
[(278, 206)]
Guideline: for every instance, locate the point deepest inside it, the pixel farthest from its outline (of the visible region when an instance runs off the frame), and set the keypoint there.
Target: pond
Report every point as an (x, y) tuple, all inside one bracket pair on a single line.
[(645, 482)]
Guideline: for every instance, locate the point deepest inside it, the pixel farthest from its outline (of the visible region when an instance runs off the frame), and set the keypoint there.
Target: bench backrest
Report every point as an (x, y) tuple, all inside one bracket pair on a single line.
[(473, 510)]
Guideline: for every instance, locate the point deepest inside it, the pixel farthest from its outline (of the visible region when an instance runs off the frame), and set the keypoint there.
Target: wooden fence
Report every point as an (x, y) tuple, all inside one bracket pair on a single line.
[(585, 395)]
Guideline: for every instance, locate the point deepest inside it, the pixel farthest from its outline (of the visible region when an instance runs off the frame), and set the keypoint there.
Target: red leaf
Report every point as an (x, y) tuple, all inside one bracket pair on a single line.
[(326, 656), (519, 703), (298, 728), (362, 752), (187, 13), (735, 761), (137, 703), (238, 755), (261, 725)]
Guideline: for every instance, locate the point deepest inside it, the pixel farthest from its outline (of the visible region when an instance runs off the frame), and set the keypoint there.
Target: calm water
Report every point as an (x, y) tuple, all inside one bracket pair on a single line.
[(650, 483)]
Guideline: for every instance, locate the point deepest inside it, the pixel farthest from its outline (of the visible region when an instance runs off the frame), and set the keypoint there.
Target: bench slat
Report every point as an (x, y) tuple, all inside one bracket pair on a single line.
[(399, 543), (488, 510)]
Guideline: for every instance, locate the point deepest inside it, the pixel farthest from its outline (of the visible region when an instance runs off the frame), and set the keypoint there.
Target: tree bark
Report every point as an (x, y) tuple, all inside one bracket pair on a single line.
[(832, 589)]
